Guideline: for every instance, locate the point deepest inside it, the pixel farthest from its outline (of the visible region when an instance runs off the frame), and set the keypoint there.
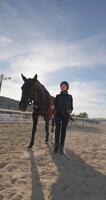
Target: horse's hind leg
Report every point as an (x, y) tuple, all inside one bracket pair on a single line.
[(47, 129), (35, 119), (52, 123)]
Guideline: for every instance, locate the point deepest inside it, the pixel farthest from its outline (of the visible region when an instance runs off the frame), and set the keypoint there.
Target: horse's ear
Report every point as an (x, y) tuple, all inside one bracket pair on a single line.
[(35, 77), (23, 77)]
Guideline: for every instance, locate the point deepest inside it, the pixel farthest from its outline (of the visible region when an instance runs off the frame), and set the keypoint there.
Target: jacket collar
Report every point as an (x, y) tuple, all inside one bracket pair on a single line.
[(64, 92)]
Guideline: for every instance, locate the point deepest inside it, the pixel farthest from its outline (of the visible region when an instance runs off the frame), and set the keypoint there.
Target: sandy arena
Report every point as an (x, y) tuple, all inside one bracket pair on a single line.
[(39, 174)]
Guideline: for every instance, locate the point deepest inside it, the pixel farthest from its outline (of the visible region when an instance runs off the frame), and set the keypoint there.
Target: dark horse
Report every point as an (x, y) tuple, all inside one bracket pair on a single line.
[(34, 91)]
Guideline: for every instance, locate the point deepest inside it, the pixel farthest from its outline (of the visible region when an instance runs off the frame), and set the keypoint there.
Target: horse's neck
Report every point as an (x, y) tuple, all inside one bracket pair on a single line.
[(43, 96)]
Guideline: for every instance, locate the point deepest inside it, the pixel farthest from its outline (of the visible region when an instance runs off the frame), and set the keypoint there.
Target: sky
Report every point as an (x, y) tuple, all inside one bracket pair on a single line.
[(60, 40)]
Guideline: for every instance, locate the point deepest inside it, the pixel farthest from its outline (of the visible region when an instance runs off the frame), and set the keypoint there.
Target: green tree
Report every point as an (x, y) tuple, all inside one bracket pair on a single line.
[(83, 115)]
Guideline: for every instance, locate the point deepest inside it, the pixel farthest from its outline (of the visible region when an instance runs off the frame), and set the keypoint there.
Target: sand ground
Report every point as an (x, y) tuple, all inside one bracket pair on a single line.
[(39, 174)]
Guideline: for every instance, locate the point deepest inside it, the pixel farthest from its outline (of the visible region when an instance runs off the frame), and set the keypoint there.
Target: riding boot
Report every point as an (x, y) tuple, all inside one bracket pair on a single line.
[(57, 133)]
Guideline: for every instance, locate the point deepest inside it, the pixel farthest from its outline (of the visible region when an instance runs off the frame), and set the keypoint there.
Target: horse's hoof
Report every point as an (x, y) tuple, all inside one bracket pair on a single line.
[(29, 147)]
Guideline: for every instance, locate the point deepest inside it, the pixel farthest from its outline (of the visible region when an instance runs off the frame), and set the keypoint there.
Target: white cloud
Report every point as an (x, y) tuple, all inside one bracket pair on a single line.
[(4, 40), (49, 56), (11, 89), (5, 43), (89, 98)]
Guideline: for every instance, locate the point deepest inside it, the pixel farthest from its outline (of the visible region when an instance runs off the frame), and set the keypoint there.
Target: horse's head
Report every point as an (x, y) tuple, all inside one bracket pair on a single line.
[(28, 92)]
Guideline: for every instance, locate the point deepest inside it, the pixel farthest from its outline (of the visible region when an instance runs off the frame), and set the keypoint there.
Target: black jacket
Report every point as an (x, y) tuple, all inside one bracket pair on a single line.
[(64, 103)]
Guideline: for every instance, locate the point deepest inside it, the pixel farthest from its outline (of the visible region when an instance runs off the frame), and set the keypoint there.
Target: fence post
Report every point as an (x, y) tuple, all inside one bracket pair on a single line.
[(99, 121), (83, 121)]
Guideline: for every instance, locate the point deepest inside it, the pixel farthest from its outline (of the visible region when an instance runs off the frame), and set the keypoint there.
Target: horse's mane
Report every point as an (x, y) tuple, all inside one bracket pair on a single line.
[(42, 88), (45, 92), (44, 97)]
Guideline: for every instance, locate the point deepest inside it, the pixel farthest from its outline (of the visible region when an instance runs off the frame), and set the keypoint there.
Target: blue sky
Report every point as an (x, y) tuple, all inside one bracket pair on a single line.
[(59, 40)]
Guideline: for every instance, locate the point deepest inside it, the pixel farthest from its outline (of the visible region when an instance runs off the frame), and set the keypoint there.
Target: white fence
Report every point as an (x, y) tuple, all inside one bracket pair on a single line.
[(84, 121), (16, 116)]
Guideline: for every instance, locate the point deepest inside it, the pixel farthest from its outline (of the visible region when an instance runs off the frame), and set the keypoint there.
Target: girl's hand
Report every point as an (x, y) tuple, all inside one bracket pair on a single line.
[(52, 107)]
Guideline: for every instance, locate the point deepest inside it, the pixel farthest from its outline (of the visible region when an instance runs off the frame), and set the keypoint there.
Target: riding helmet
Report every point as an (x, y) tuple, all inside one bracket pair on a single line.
[(66, 83)]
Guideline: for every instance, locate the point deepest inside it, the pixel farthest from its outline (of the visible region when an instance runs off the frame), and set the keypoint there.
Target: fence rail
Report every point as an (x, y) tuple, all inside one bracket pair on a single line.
[(17, 116)]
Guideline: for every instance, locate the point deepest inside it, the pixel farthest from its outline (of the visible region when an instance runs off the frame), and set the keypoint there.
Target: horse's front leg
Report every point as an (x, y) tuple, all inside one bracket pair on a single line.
[(35, 120), (47, 129)]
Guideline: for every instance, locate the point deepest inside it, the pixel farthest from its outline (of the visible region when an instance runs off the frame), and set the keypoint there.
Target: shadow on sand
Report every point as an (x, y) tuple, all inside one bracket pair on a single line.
[(77, 180), (37, 192)]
